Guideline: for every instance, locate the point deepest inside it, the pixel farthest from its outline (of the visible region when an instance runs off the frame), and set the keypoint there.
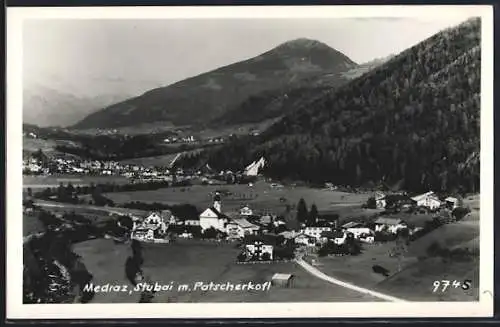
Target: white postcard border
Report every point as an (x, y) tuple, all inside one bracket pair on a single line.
[(17, 310)]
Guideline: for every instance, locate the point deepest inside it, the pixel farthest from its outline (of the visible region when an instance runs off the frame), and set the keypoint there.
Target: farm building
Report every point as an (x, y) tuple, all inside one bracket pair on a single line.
[(239, 227), (392, 225), (192, 222), (305, 239), (143, 234), (288, 234), (153, 226), (246, 211), (328, 219), (451, 202), (429, 200), (315, 231), (359, 232), (266, 220), (352, 224), (282, 280), (336, 236), (398, 201), (261, 245)]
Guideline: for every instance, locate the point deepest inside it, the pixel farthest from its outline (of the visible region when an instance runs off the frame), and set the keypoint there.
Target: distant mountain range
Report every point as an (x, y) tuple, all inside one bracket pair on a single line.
[(51, 100), (210, 96), (45, 106), (412, 122)]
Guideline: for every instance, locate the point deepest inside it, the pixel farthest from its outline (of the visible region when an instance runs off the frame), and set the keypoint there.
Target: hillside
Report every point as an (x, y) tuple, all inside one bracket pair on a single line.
[(46, 106), (275, 103), (200, 99), (413, 121)]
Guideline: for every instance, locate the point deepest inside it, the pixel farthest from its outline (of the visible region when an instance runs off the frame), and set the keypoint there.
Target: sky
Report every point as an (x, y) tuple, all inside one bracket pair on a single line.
[(89, 56)]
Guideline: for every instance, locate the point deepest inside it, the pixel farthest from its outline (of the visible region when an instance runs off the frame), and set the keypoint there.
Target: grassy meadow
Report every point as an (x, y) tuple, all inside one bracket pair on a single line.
[(208, 262), (260, 197), (33, 181), (415, 281)]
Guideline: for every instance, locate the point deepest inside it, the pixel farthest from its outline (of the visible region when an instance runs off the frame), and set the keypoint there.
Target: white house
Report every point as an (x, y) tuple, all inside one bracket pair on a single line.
[(246, 211), (240, 227), (146, 229), (259, 248), (305, 239), (316, 231), (357, 229), (380, 200), (143, 234), (192, 222), (429, 200), (358, 232), (336, 236), (392, 225)]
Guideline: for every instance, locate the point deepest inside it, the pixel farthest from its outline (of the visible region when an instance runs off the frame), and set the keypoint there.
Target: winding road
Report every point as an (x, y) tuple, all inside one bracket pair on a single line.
[(313, 271)]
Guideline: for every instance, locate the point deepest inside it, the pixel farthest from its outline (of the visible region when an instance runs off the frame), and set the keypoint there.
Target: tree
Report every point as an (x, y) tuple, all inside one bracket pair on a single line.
[(242, 257), (126, 222), (313, 214), (302, 211), (266, 256), (371, 203), (210, 233), (401, 248)]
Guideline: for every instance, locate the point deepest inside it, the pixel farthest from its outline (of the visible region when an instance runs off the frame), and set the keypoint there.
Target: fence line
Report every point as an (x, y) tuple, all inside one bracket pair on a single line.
[(262, 262)]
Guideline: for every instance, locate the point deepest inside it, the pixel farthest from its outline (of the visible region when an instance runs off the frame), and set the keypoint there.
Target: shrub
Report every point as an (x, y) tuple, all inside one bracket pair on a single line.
[(242, 257), (371, 203), (266, 256)]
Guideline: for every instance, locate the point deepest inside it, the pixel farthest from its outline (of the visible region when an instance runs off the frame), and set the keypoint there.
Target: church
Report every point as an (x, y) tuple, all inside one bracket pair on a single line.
[(213, 216)]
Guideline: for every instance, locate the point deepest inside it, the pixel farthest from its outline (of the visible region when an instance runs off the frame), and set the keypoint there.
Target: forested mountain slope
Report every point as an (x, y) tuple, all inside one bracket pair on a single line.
[(413, 121), (276, 103)]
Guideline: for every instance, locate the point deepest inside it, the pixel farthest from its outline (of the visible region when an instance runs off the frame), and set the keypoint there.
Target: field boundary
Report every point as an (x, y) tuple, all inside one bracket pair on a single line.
[(262, 262), (353, 287)]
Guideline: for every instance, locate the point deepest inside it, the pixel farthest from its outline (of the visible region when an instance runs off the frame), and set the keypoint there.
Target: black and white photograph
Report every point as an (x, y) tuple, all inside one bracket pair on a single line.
[(225, 162)]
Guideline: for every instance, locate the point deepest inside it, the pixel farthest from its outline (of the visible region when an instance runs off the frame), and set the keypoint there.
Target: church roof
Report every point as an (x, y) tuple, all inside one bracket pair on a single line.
[(216, 212)]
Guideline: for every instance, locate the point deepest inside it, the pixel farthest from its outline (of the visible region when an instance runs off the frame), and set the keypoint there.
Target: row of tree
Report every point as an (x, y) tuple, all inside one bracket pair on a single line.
[(69, 191), (307, 217)]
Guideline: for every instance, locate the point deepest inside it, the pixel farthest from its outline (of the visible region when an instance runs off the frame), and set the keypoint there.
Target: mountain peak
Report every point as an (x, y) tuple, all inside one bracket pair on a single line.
[(302, 43)]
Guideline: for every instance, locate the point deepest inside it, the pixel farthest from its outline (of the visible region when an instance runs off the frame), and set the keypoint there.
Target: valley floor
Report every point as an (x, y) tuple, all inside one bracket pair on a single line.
[(186, 262)]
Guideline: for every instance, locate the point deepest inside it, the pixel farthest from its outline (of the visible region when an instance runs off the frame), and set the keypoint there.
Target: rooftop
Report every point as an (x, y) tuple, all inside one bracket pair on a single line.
[(388, 221), (352, 224), (282, 276), (243, 223)]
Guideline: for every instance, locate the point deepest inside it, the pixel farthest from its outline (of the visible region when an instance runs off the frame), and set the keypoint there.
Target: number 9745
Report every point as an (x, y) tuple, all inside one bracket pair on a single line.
[(444, 285)]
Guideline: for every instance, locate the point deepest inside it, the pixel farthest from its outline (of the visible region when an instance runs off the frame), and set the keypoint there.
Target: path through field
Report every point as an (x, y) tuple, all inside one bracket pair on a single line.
[(353, 287), (111, 210)]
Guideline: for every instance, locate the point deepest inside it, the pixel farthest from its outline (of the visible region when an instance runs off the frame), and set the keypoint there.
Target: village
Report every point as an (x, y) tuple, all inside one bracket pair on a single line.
[(260, 233), (39, 164), (267, 237)]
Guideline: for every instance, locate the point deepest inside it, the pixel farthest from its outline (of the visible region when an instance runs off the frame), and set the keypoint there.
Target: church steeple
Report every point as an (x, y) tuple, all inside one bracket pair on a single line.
[(217, 202)]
